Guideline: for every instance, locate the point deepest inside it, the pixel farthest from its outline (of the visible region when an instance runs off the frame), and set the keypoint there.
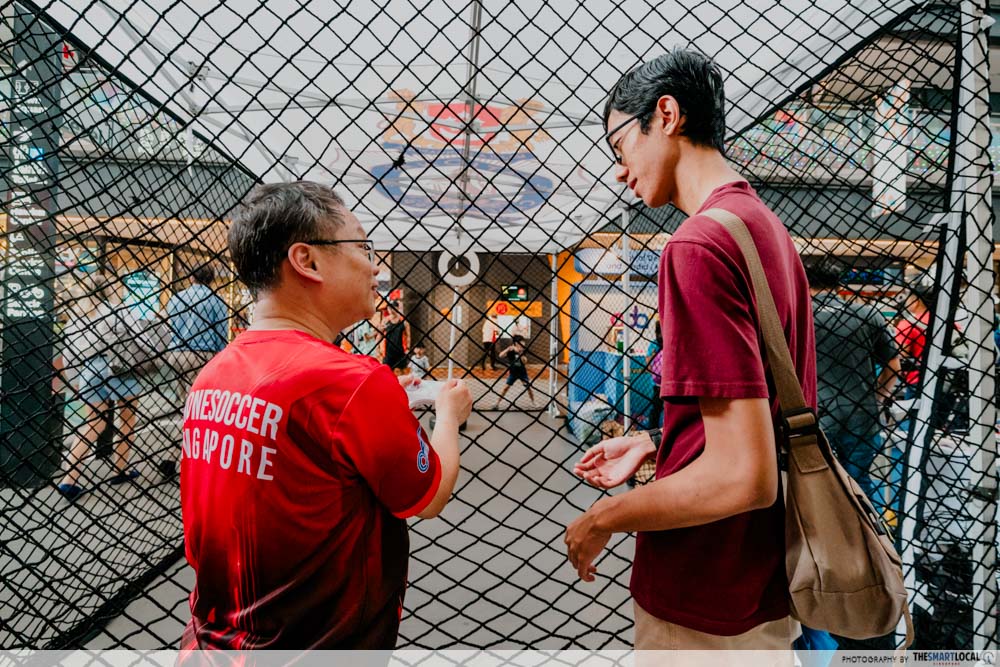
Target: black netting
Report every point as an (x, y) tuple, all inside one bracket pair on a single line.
[(469, 141)]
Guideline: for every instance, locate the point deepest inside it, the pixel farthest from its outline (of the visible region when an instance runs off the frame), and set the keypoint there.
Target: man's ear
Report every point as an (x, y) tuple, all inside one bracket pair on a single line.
[(302, 259), (668, 112)]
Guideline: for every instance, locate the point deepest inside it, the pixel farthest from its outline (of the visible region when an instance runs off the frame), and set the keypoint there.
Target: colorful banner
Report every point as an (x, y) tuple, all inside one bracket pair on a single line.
[(503, 182)]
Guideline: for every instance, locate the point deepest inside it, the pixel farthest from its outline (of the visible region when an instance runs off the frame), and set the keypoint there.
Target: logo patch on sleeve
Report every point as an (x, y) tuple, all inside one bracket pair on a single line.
[(423, 456)]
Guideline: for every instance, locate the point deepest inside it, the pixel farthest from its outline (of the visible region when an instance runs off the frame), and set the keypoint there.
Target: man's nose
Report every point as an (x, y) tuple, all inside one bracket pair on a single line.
[(621, 173)]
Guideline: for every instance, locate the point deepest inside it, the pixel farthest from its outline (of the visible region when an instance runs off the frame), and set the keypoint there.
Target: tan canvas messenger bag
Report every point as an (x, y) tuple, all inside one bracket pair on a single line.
[(844, 575)]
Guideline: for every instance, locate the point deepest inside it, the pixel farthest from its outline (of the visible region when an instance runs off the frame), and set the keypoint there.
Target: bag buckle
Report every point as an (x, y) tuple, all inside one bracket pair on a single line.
[(799, 422)]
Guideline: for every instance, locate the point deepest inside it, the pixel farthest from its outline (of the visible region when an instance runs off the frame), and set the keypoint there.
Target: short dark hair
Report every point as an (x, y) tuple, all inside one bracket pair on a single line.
[(204, 274), (518, 338), (925, 293), (691, 78), (271, 219), (823, 272)]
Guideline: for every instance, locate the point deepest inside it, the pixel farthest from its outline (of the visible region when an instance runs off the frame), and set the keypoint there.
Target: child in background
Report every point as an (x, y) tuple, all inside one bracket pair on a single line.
[(516, 370), (419, 364)]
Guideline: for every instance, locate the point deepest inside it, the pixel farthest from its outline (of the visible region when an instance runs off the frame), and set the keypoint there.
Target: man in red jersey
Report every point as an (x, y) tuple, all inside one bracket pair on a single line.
[(709, 569), (911, 334), (300, 461)]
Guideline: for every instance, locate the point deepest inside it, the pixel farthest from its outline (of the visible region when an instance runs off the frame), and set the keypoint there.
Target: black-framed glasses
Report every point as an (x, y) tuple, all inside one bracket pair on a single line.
[(364, 244), (607, 137)]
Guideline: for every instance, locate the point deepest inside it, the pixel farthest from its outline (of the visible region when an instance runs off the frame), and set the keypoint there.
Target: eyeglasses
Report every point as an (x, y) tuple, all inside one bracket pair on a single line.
[(607, 137), (364, 244)]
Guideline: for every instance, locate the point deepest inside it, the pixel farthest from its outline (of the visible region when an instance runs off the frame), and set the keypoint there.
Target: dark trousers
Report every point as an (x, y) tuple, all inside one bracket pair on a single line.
[(856, 454), (489, 352)]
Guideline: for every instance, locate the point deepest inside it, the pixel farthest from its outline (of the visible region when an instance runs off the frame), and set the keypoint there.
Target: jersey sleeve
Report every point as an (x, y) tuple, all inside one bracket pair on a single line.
[(386, 443), (710, 342)]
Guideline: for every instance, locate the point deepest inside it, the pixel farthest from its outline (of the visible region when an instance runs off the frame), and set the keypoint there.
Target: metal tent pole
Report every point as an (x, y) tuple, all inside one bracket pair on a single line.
[(455, 313), (974, 186), (920, 437), (455, 318), (970, 208)]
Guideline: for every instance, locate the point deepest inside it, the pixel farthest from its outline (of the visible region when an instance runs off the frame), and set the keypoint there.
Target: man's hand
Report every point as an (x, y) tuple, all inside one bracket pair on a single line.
[(454, 402), (584, 542), (408, 380), (610, 462)]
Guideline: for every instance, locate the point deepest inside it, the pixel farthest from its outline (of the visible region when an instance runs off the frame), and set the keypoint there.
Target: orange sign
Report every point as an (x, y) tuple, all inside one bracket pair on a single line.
[(530, 309)]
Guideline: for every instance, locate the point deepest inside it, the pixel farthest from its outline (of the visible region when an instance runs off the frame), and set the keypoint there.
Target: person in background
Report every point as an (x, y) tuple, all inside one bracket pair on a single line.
[(654, 365), (365, 338), (516, 369), (396, 340), (198, 320), (490, 334), (911, 334), (852, 341), (420, 365), (95, 333)]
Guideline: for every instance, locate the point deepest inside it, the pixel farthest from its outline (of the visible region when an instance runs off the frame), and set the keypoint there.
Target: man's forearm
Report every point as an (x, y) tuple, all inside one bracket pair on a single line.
[(885, 383), (444, 440), (703, 492), (887, 379)]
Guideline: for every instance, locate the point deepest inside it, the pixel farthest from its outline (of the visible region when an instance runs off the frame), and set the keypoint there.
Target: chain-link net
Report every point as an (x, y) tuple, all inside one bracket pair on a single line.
[(468, 139)]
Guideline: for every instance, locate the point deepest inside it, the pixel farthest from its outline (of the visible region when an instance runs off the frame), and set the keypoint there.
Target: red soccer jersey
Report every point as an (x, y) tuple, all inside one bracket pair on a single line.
[(725, 577), (300, 463), (911, 337)]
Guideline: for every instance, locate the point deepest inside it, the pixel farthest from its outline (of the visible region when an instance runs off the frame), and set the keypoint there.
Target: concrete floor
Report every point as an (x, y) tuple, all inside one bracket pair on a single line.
[(490, 572)]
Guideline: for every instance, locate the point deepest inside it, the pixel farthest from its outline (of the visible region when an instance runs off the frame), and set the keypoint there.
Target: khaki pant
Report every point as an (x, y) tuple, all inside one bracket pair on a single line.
[(767, 644)]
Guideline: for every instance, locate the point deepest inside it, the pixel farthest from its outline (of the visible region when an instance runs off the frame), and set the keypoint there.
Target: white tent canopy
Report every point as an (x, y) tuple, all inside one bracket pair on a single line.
[(378, 99)]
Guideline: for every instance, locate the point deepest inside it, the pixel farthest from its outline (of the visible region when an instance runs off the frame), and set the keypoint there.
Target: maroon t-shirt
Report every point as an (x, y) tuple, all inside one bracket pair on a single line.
[(725, 577), (300, 464)]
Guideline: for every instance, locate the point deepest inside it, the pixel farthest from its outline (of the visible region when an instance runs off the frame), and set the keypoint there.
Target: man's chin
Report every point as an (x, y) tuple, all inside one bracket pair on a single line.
[(655, 200)]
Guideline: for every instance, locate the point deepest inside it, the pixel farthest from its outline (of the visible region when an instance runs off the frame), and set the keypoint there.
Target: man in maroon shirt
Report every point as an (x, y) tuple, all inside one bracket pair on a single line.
[(301, 462), (709, 559)]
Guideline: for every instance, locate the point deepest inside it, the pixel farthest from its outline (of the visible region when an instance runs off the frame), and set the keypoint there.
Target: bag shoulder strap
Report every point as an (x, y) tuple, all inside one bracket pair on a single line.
[(790, 396), (791, 399)]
